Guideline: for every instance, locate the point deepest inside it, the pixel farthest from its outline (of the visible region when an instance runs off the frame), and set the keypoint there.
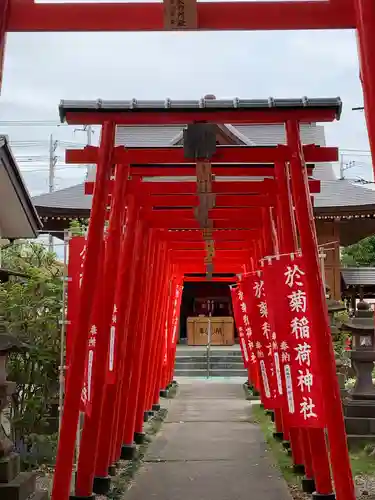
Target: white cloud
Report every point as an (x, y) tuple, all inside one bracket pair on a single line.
[(41, 69)]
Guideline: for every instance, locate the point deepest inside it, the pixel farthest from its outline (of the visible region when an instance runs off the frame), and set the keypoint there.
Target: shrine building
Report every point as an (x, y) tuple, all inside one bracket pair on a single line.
[(344, 214)]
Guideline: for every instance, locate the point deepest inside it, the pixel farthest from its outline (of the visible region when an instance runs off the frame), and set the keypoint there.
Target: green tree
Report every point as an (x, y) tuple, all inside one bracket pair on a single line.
[(360, 254), (78, 227), (31, 308)]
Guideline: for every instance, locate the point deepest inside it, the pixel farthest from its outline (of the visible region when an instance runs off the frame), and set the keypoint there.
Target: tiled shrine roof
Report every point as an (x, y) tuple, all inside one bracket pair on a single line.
[(336, 194)]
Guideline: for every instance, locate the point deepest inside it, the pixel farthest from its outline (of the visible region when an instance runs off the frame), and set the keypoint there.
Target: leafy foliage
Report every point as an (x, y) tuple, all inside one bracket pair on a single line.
[(340, 338), (31, 308), (37, 449), (360, 254), (78, 227)]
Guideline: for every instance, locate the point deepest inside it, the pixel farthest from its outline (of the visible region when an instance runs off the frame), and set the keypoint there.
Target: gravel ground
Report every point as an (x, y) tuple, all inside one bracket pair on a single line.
[(365, 486), (125, 471), (44, 482), (297, 493)]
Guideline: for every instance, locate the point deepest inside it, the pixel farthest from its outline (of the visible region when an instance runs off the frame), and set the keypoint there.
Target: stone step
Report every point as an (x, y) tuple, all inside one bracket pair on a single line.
[(40, 495), (10, 467), (203, 353), (359, 409), (223, 362), (214, 357), (241, 372), (191, 359), (212, 373), (226, 364), (20, 488), (360, 425), (359, 441), (200, 365), (203, 359)]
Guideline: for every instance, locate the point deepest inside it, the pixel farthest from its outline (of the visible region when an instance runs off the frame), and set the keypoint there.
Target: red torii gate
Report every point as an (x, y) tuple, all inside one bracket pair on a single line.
[(25, 15), (161, 218)]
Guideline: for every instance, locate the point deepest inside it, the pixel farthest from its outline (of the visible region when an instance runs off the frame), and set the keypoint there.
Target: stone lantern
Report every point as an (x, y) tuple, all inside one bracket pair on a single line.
[(359, 407), (13, 483)]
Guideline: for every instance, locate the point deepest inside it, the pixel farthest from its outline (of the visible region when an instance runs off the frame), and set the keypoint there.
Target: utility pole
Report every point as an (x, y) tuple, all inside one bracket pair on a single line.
[(89, 131), (345, 166), (51, 180), (342, 167)]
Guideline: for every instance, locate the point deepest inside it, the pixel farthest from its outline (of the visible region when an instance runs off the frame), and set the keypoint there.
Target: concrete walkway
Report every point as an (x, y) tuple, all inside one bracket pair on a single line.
[(208, 450)]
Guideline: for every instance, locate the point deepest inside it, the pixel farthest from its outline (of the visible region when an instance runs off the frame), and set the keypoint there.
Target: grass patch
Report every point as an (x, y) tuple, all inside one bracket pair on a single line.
[(283, 461), (251, 393), (172, 391), (363, 464)]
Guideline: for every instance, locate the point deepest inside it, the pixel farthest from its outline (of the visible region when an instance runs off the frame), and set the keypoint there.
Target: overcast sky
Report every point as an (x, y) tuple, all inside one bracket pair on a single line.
[(41, 69)]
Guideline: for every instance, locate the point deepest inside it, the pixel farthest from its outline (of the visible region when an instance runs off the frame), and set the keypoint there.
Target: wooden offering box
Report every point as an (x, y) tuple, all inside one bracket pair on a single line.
[(222, 331)]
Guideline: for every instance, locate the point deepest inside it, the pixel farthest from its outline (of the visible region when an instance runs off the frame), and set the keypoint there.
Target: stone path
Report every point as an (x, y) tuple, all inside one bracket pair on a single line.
[(208, 450)]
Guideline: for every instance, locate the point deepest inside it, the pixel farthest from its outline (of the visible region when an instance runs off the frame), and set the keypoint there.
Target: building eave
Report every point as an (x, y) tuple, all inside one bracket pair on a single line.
[(20, 191), (204, 106)]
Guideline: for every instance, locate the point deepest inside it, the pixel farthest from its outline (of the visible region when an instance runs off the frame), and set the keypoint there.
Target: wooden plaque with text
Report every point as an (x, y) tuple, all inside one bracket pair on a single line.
[(180, 15)]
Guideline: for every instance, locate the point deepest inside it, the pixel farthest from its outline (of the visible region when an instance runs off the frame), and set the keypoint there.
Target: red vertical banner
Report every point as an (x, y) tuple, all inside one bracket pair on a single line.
[(299, 354), (77, 249), (176, 314), (77, 252), (175, 323), (280, 346), (86, 394), (168, 326), (236, 295), (245, 334), (112, 354), (256, 317)]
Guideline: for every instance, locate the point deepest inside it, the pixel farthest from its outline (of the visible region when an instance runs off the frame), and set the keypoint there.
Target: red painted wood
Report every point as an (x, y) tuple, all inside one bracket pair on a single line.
[(229, 170), (339, 456), (190, 188), (27, 16), (223, 154), (4, 10), (90, 434), (224, 279), (271, 115), (195, 245), (68, 430)]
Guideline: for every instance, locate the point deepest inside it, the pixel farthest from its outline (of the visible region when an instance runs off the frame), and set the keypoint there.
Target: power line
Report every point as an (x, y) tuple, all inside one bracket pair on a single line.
[(51, 178), (32, 123), (39, 144), (359, 150), (44, 171)]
